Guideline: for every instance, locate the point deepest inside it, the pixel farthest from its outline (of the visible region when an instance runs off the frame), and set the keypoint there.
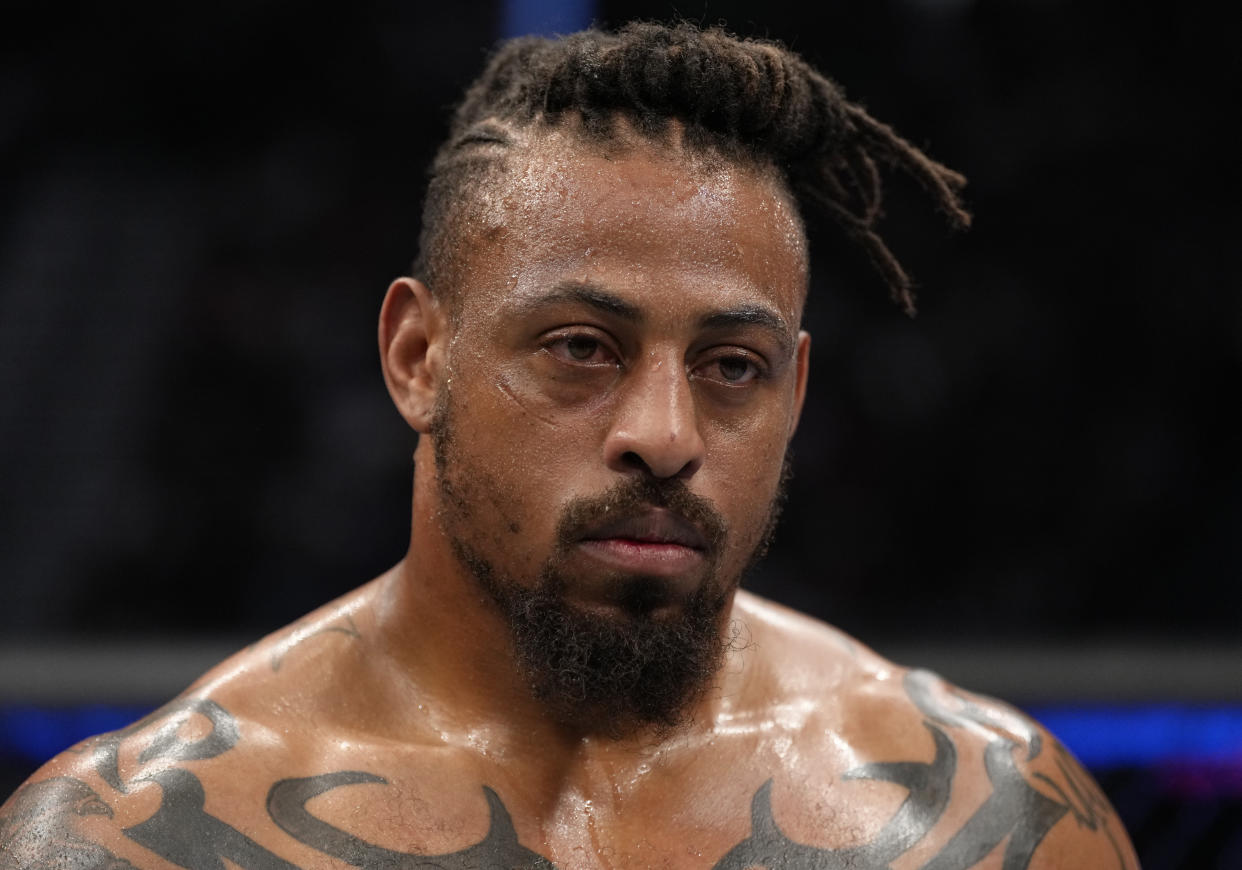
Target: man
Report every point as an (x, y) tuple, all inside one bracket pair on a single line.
[(601, 352)]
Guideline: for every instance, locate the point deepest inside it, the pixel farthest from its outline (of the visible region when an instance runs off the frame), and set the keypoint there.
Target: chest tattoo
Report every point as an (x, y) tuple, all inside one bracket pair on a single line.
[(929, 787), (184, 833), (286, 804)]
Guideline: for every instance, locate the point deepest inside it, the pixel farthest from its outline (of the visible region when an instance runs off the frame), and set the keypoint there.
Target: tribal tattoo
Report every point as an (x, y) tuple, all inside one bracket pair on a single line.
[(42, 827), (286, 804), (44, 824), (345, 625)]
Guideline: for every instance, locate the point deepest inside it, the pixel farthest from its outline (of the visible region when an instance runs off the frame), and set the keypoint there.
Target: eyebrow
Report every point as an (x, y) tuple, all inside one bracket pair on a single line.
[(586, 293), (751, 315)]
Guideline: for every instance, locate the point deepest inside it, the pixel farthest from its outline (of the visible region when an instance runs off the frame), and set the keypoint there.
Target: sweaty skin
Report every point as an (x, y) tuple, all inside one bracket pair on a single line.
[(622, 313)]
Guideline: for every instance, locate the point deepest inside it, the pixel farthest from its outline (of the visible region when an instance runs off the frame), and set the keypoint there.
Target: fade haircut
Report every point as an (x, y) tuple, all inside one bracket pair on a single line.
[(751, 101)]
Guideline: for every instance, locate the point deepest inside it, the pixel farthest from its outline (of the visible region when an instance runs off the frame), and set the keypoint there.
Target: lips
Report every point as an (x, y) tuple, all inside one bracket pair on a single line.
[(656, 527), (654, 543)]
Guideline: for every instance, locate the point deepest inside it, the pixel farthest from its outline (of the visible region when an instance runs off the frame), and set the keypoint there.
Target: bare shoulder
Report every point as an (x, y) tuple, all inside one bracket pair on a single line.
[(59, 818), (981, 784), (155, 793), (86, 808), (296, 662)]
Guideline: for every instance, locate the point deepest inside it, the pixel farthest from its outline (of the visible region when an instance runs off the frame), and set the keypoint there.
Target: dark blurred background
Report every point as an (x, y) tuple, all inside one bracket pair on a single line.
[(1035, 484)]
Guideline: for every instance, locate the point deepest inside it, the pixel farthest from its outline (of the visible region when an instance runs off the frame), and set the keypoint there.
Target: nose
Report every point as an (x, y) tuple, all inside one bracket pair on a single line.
[(655, 426)]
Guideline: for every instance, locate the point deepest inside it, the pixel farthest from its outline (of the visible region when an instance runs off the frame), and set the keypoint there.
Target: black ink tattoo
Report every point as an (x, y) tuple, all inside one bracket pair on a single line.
[(286, 804), (346, 627), (1015, 812), (42, 828), (42, 825), (168, 743), (1083, 798), (1015, 809), (107, 749), (182, 832), (929, 784)]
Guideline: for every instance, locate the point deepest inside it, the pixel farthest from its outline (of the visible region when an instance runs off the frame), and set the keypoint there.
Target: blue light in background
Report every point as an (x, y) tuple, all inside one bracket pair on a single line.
[(35, 734), (1101, 737), (1152, 734), (546, 17)]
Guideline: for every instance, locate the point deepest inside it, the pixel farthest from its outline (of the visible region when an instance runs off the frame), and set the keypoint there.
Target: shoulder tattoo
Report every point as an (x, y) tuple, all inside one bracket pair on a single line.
[(42, 824)]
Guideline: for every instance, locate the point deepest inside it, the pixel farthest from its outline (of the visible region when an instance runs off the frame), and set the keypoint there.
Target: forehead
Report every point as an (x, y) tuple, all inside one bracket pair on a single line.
[(639, 216)]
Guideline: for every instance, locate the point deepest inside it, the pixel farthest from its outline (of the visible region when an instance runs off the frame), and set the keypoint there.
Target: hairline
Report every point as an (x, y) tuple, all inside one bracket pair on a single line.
[(698, 156)]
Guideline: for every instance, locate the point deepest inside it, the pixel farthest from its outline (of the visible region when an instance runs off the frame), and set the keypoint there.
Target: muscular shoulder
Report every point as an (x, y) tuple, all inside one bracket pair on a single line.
[(957, 779), (165, 785), (86, 808), (321, 655)]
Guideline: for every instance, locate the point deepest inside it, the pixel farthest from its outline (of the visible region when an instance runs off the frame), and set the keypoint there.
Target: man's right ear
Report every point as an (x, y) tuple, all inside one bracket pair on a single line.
[(412, 335)]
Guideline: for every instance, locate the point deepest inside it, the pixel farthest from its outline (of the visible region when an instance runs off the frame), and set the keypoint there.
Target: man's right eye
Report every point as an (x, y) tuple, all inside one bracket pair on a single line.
[(581, 349)]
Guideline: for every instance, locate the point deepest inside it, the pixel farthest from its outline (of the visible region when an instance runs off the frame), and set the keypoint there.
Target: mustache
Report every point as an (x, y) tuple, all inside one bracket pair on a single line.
[(635, 497)]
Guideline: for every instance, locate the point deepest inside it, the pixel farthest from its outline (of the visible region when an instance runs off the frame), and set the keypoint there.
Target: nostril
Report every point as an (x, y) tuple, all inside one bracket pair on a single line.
[(632, 460)]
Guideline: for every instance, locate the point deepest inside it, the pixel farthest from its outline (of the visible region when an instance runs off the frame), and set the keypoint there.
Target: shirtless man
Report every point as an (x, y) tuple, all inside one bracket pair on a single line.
[(601, 353)]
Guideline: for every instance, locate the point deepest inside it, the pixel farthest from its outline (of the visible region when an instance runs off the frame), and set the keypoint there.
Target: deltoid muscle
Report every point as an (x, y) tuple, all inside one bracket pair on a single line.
[(41, 828), (1014, 809)]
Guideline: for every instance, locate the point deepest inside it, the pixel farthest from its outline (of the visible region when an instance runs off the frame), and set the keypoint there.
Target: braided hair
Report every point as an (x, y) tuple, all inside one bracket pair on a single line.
[(751, 101)]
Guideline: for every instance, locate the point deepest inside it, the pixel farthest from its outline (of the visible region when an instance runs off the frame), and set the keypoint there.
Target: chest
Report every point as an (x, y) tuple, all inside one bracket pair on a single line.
[(358, 818), (314, 803)]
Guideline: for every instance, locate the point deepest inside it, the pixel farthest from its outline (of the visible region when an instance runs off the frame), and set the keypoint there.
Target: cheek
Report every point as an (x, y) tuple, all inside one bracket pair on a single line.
[(544, 442), (750, 443), (529, 403), (509, 465), (555, 395), (746, 469)]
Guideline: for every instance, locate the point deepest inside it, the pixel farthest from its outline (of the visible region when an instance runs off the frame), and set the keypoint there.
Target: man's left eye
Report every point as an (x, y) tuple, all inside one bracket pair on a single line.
[(735, 369)]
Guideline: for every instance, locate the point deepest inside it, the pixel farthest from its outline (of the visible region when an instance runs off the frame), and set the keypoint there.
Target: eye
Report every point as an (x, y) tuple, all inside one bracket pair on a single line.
[(732, 369), (735, 369), (580, 348)]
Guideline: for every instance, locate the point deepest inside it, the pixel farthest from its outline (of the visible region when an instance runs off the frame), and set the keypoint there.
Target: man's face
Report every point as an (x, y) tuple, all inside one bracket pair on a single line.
[(623, 376)]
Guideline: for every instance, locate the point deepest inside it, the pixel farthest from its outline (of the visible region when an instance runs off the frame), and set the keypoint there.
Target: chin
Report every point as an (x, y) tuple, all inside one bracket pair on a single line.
[(653, 599)]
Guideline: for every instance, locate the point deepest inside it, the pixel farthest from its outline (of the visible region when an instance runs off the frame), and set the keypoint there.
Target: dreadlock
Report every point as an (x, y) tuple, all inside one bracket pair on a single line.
[(749, 100)]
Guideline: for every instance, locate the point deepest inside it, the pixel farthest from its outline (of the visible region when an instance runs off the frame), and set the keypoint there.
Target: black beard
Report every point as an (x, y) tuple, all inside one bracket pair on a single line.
[(609, 674)]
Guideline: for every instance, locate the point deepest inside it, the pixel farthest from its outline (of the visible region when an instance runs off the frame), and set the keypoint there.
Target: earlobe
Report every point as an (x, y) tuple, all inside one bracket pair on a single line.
[(411, 332)]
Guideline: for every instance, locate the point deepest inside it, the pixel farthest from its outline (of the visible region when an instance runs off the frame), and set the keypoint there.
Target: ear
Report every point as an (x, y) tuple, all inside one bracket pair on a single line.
[(412, 335), (802, 361)]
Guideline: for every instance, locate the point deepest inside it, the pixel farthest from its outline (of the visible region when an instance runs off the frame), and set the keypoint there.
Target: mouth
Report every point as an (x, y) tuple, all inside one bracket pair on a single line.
[(655, 526), (656, 542)]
